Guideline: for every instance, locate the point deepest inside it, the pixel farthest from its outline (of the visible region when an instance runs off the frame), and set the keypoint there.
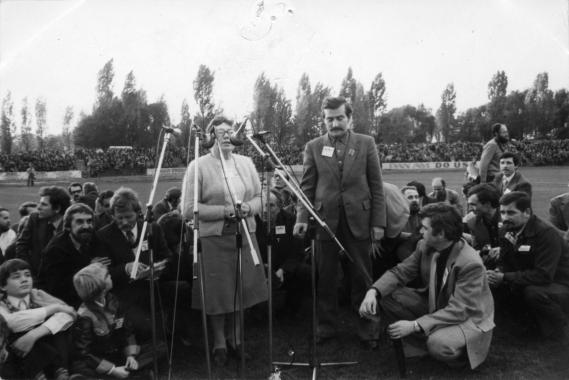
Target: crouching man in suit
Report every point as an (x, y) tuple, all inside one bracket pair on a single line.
[(453, 309)]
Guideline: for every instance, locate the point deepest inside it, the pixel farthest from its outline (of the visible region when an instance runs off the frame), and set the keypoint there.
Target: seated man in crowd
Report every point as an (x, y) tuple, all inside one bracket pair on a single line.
[(411, 233), (423, 197), (559, 213), (70, 251), (289, 260), (42, 225), (75, 189), (38, 323), (169, 203), (440, 193), (91, 193), (454, 308), (535, 266), (120, 241), (103, 209), (397, 215), (24, 210), (510, 179), (482, 221), (7, 235)]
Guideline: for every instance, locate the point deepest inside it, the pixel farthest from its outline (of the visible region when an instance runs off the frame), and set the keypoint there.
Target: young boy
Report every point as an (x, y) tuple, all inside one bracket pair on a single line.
[(103, 338), (38, 343)]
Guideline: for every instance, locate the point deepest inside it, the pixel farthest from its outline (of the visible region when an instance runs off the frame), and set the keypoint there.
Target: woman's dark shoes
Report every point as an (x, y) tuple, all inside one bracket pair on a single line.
[(235, 352), (220, 356)]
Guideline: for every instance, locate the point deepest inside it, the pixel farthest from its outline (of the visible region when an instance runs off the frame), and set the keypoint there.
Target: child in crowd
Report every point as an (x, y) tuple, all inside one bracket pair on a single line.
[(39, 340), (105, 346)]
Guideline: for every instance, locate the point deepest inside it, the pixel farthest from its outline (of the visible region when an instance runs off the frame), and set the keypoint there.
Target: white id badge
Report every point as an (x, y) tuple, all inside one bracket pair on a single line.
[(145, 245), (327, 151), (280, 230), (524, 248)]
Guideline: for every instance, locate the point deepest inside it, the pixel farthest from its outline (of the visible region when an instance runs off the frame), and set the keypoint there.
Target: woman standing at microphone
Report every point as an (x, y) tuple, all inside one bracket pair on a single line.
[(217, 227)]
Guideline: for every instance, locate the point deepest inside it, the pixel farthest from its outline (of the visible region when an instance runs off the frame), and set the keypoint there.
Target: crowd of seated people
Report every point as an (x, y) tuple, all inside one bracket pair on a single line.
[(74, 306)]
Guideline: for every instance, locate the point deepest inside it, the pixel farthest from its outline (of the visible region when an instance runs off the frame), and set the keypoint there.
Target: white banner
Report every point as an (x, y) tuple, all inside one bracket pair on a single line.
[(449, 165), (23, 176)]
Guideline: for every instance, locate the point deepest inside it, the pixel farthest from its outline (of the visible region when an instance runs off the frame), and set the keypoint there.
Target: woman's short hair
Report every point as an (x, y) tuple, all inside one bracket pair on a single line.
[(89, 282)]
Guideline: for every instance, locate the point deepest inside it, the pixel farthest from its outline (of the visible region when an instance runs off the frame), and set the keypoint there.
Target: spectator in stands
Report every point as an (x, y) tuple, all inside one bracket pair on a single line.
[(103, 214), (483, 221), (38, 323), (535, 261), (42, 225), (70, 251), (75, 189), (7, 235), (510, 179), (103, 337), (91, 193), (290, 265), (423, 198), (559, 213), (492, 151), (440, 193), (170, 202), (453, 307)]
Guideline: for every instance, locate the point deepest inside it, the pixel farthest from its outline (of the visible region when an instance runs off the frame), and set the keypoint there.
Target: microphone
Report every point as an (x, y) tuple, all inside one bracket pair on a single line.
[(175, 131), (234, 139), (261, 134)]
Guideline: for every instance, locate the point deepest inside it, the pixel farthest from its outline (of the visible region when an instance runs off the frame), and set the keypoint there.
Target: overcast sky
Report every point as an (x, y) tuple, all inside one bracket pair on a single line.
[(54, 48)]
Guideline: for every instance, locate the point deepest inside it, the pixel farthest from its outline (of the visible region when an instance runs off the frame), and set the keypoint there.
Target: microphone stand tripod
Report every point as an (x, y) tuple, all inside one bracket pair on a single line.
[(313, 362), (198, 266), (241, 224), (146, 233)]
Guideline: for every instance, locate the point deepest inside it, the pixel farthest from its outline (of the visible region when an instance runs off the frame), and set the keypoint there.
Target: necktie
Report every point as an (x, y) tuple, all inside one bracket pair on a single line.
[(130, 237), (22, 305), (433, 283)]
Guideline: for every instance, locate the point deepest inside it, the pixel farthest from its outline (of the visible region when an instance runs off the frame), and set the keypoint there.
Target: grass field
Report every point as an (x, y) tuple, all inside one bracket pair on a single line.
[(513, 355)]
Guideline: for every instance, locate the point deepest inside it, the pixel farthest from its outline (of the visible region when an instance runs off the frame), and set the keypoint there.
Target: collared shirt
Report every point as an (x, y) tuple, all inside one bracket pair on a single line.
[(340, 143), (19, 303), (507, 180), (134, 233), (441, 265)]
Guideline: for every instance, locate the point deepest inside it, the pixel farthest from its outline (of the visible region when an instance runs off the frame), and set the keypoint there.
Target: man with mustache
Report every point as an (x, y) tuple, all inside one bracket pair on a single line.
[(7, 235), (342, 178), (440, 193), (411, 232), (535, 261), (510, 179), (490, 159), (484, 216), (69, 251)]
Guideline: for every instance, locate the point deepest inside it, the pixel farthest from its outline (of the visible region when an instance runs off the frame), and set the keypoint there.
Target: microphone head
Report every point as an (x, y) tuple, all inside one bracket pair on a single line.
[(208, 142), (174, 131), (235, 141)]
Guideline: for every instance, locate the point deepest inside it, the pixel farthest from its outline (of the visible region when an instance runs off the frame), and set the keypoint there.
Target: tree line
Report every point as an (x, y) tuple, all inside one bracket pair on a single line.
[(129, 118)]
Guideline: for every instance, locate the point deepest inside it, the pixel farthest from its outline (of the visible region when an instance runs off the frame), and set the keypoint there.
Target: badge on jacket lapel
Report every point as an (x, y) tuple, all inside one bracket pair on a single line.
[(280, 230), (524, 248), (351, 152), (327, 151)]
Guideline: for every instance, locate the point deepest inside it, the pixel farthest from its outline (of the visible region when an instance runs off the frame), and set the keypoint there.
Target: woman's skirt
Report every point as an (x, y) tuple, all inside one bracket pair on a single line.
[(219, 255)]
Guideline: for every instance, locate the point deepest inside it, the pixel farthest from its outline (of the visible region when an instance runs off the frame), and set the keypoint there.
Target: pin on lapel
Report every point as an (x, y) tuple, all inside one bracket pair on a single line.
[(351, 152)]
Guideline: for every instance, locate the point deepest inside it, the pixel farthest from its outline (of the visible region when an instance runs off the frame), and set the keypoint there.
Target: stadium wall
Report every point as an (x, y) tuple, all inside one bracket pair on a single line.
[(23, 176), (411, 166)]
